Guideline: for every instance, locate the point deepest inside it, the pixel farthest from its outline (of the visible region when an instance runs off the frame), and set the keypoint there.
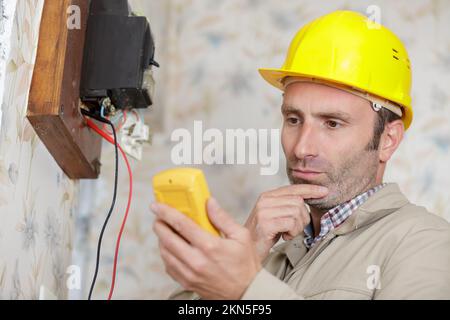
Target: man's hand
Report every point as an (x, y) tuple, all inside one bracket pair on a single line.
[(281, 212), (213, 267)]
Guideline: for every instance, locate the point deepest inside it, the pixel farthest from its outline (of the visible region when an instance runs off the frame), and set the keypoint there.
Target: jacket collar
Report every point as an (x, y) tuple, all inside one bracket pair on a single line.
[(384, 202)]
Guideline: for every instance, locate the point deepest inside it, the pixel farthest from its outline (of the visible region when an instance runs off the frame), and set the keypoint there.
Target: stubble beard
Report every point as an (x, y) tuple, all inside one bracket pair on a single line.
[(354, 176)]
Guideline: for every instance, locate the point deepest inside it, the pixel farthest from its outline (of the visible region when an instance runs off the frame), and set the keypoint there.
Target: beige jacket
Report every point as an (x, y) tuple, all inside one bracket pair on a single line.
[(387, 249)]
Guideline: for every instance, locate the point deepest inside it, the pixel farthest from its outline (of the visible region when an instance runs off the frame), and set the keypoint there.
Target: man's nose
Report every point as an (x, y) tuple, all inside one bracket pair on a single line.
[(307, 143)]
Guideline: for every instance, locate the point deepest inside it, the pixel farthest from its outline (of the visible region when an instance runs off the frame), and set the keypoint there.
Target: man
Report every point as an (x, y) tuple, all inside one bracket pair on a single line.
[(346, 105)]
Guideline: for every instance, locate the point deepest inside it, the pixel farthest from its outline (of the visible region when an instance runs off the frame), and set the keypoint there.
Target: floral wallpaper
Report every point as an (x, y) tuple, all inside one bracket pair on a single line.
[(37, 200), (209, 51)]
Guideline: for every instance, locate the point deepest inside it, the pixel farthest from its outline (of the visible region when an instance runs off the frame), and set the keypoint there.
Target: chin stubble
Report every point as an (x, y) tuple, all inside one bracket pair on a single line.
[(354, 177)]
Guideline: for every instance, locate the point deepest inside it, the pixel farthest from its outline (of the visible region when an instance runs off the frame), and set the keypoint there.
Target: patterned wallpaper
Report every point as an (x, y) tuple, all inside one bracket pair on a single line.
[(37, 201), (209, 51)]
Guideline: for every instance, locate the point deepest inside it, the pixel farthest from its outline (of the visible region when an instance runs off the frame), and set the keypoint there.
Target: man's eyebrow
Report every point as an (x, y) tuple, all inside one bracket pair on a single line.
[(326, 114), (334, 114), (290, 109)]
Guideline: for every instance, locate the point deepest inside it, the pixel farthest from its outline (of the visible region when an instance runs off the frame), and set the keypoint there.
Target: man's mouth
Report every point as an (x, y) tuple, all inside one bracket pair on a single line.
[(305, 173)]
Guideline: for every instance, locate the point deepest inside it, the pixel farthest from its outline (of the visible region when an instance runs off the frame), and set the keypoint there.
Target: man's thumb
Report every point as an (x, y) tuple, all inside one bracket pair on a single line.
[(221, 219)]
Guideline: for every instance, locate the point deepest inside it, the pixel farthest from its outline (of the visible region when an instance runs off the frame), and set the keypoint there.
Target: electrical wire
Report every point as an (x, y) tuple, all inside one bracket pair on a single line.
[(122, 227), (137, 115), (130, 195), (102, 111), (99, 245), (121, 120)]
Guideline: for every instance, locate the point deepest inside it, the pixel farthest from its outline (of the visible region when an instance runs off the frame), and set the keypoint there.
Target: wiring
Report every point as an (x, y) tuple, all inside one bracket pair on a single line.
[(99, 245), (108, 138), (121, 119), (137, 115), (102, 111)]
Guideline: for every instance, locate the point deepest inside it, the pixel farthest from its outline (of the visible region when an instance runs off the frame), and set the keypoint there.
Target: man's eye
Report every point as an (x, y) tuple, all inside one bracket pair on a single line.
[(292, 120), (333, 124)]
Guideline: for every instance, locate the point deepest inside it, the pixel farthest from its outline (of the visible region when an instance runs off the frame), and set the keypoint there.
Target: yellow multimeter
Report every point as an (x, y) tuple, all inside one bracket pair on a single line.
[(186, 190)]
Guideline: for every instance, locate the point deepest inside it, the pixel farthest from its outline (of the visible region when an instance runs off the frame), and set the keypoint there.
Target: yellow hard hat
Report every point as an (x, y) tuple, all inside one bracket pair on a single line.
[(347, 49)]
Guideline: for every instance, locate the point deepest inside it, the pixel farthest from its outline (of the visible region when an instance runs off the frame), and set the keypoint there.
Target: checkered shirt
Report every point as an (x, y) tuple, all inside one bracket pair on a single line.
[(336, 216)]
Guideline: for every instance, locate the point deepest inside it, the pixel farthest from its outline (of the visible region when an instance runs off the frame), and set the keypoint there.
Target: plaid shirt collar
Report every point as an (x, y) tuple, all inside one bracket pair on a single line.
[(336, 216)]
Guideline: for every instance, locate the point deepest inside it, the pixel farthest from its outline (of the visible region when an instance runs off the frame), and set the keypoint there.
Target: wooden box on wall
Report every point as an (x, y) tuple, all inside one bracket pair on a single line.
[(53, 108)]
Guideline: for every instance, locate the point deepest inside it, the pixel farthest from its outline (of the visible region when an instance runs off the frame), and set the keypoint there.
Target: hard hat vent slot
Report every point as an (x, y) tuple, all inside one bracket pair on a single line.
[(395, 54)]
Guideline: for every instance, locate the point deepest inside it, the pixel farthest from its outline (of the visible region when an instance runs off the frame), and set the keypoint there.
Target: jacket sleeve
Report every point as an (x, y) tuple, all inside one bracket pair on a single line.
[(264, 286), (183, 294), (419, 268)]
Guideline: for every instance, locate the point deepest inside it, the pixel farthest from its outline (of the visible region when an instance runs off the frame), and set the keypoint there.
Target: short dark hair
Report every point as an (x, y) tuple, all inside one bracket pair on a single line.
[(384, 117)]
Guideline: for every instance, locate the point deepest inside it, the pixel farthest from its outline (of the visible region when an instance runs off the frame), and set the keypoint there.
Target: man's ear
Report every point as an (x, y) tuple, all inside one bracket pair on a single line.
[(390, 139)]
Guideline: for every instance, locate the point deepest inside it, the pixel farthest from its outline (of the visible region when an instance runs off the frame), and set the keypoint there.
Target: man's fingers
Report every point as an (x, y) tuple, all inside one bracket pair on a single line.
[(176, 269), (266, 215), (287, 236), (270, 201), (221, 219), (287, 226), (173, 242), (182, 224), (306, 191)]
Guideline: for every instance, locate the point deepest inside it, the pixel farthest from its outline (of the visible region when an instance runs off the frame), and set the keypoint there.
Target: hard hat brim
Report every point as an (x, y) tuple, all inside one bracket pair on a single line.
[(275, 77)]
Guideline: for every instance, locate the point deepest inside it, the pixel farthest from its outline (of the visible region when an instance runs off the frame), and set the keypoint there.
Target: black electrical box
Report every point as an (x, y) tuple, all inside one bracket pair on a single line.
[(118, 57)]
